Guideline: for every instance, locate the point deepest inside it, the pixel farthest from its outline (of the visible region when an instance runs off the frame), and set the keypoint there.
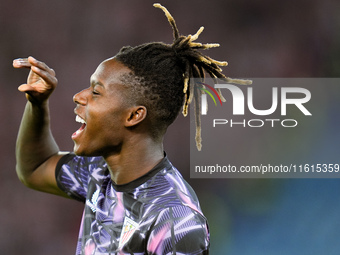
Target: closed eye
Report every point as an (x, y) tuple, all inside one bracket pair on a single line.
[(96, 87), (94, 92)]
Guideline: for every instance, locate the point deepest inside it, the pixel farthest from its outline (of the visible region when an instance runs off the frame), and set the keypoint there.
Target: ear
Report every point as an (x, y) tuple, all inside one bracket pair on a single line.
[(136, 115)]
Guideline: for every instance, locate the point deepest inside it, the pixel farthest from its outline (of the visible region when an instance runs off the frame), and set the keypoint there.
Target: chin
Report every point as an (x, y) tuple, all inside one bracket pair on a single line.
[(78, 151)]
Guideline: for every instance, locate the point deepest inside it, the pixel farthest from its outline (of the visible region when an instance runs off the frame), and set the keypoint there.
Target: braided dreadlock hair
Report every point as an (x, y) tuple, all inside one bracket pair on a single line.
[(160, 78)]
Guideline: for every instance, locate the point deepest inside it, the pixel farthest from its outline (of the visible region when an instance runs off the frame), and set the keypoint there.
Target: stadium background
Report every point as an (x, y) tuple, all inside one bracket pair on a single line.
[(258, 38)]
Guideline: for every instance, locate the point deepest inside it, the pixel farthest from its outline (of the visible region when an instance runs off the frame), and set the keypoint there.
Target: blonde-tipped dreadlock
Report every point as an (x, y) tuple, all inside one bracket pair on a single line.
[(161, 75), (196, 69)]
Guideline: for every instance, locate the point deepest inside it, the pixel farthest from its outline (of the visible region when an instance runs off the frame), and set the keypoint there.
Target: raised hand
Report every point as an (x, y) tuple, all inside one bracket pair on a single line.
[(41, 80)]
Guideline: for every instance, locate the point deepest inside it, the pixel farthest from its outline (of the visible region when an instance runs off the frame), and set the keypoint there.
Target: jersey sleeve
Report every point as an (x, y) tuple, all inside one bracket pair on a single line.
[(73, 174), (179, 230)]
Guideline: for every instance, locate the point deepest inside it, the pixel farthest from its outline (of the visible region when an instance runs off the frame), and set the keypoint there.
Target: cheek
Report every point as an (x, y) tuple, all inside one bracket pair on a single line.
[(107, 121)]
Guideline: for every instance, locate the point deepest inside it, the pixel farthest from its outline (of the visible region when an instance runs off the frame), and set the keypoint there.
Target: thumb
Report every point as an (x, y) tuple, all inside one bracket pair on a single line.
[(32, 94), (25, 88), (36, 88)]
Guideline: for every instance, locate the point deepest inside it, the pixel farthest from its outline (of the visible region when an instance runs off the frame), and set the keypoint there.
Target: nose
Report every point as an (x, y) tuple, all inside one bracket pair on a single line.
[(80, 97)]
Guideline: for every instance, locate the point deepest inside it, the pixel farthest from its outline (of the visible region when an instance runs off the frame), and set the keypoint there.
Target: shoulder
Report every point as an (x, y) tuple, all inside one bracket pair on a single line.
[(73, 163), (185, 195), (179, 227), (74, 174)]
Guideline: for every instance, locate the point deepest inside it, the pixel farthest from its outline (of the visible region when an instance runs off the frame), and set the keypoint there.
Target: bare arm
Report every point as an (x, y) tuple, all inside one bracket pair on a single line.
[(37, 153)]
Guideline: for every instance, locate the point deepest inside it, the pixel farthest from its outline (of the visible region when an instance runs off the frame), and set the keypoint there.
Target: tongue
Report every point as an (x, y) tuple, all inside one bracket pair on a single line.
[(82, 127), (79, 130)]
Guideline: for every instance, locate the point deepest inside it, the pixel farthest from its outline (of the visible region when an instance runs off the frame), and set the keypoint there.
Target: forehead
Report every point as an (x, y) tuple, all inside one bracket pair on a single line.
[(109, 72)]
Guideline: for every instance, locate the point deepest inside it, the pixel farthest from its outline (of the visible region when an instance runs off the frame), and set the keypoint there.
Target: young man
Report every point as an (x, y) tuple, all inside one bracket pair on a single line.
[(136, 202)]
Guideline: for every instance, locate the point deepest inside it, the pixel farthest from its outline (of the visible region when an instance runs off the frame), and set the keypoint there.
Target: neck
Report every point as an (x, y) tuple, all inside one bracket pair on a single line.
[(134, 160)]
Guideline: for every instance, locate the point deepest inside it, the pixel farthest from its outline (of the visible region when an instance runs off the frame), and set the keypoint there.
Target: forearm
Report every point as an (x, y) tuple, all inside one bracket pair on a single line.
[(35, 143)]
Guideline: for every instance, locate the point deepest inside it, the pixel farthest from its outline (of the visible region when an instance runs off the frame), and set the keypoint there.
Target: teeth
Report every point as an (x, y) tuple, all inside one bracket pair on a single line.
[(80, 120)]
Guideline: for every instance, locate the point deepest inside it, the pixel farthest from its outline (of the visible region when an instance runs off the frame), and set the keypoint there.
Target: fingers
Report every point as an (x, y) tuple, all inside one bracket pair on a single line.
[(31, 62), (21, 62), (46, 73), (38, 70), (40, 65), (41, 80)]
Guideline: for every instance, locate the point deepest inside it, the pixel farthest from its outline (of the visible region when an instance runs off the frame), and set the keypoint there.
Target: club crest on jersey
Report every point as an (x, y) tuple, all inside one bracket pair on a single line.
[(129, 227)]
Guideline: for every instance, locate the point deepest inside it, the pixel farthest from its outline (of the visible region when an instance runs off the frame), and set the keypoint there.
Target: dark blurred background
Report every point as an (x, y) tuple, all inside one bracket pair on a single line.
[(262, 38)]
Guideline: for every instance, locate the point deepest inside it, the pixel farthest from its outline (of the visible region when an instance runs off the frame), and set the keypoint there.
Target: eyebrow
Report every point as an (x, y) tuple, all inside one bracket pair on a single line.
[(94, 82)]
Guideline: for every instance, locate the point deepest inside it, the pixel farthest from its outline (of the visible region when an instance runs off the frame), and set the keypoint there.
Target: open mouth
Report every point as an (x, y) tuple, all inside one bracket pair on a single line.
[(81, 129)]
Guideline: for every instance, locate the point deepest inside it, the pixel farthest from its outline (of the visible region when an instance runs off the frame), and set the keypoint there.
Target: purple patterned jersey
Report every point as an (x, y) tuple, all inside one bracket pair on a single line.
[(157, 213)]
